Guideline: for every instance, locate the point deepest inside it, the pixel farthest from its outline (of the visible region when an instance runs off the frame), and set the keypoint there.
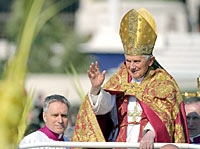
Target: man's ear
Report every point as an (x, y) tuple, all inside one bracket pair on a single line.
[(152, 59), (44, 116)]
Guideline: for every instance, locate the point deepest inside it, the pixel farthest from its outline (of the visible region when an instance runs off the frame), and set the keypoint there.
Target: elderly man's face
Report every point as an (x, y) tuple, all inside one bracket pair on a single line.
[(193, 118), (56, 118), (138, 65)]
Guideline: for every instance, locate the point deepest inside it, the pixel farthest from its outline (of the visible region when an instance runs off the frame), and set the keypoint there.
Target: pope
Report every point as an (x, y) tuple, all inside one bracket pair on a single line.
[(141, 102)]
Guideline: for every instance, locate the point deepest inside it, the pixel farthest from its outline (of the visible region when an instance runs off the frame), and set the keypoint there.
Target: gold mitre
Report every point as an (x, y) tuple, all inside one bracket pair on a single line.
[(138, 32)]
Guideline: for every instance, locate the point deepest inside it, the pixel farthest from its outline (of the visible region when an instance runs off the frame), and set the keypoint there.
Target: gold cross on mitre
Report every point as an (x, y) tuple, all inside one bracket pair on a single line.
[(193, 94)]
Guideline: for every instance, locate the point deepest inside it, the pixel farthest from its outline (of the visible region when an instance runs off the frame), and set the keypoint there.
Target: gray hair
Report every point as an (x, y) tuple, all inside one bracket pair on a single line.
[(192, 100), (147, 56), (54, 98)]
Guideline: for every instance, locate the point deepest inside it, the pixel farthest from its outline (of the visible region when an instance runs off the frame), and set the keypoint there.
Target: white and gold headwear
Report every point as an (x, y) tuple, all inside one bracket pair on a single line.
[(138, 32)]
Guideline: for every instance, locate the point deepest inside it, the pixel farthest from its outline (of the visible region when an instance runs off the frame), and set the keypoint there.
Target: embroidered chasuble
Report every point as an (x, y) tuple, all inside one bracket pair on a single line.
[(159, 98)]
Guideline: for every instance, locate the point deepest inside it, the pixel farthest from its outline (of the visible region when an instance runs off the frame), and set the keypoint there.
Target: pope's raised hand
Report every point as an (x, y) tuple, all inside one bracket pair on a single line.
[(96, 78)]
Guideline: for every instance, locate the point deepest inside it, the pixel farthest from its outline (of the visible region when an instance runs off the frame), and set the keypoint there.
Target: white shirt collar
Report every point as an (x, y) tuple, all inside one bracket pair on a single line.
[(138, 81)]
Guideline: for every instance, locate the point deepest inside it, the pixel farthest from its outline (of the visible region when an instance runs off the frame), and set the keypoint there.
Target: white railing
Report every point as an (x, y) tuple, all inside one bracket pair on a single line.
[(103, 145)]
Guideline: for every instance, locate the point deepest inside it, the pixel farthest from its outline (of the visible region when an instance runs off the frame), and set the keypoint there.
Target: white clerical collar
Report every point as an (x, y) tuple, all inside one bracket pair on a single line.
[(60, 136), (137, 80)]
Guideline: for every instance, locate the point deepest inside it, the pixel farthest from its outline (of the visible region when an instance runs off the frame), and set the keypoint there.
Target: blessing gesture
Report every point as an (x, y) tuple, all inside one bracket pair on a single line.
[(96, 78)]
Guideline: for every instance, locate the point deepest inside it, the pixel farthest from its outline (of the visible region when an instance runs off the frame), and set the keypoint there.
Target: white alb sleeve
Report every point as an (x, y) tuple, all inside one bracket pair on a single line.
[(102, 103)]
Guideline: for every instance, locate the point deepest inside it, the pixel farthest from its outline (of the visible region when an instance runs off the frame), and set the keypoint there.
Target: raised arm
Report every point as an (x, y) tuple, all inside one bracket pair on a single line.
[(96, 78)]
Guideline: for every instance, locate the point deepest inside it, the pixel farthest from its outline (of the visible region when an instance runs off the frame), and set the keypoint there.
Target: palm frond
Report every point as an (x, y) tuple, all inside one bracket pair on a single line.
[(76, 82), (12, 90)]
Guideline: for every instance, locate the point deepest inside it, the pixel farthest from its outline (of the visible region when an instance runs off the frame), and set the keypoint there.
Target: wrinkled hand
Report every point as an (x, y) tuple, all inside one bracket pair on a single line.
[(96, 78), (147, 140)]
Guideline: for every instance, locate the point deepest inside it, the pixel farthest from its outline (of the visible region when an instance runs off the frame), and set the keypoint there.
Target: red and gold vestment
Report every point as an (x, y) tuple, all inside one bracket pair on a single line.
[(159, 97)]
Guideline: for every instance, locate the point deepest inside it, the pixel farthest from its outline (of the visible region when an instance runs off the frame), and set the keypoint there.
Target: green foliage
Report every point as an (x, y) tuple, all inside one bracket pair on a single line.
[(14, 102), (22, 30), (76, 82), (56, 44)]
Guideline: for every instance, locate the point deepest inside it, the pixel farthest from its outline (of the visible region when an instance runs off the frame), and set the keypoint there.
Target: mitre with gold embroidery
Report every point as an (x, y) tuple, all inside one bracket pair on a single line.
[(138, 32)]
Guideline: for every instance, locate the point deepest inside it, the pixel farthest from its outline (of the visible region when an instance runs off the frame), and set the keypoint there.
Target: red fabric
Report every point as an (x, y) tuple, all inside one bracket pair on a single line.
[(143, 122), (160, 136), (184, 121), (122, 106), (122, 119)]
